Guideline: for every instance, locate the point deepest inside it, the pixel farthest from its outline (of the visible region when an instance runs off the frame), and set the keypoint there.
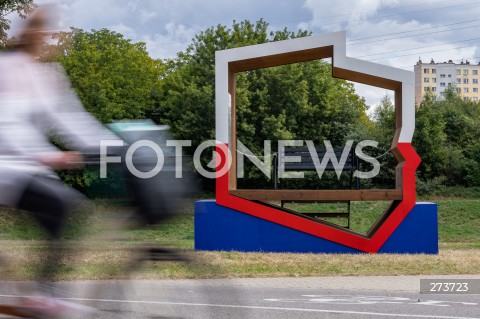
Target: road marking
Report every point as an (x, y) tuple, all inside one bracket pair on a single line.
[(257, 307), (366, 300)]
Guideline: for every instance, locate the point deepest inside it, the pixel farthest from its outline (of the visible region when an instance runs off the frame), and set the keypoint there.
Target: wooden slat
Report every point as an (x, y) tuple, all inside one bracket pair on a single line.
[(282, 59), (320, 195), (367, 79)]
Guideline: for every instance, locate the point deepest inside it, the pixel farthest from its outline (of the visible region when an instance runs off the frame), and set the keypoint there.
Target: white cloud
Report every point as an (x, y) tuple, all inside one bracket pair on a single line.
[(133, 5), (126, 31), (94, 14), (172, 39), (333, 15), (146, 16)]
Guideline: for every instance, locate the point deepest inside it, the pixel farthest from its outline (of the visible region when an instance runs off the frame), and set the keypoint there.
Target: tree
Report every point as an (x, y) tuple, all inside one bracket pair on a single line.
[(299, 101), (381, 129), (21, 7), (114, 78), (446, 138), (187, 90), (430, 140)]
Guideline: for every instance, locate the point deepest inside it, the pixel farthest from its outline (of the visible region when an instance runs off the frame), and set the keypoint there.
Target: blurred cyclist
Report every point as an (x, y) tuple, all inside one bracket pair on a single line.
[(36, 103)]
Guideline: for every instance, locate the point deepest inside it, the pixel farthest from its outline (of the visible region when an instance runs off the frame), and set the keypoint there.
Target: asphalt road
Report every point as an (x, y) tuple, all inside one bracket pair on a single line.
[(293, 298)]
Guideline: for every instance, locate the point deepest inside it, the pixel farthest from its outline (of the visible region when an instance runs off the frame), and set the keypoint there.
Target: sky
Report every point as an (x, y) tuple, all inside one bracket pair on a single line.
[(391, 32)]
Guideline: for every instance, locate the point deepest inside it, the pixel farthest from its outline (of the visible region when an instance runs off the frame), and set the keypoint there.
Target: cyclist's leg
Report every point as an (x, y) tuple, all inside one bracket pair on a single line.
[(49, 202)]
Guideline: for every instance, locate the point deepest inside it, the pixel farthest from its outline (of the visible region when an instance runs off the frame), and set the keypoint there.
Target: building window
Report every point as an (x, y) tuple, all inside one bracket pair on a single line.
[(442, 84), (434, 71), (475, 72), (426, 71), (459, 81), (449, 84), (442, 75), (449, 75), (465, 98), (475, 81), (434, 80), (459, 71), (465, 90), (475, 90), (426, 80), (434, 89), (458, 90), (465, 72), (465, 81), (475, 99), (426, 89)]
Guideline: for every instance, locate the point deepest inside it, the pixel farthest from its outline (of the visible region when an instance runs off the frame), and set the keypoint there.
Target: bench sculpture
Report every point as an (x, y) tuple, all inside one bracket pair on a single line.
[(306, 163), (224, 223)]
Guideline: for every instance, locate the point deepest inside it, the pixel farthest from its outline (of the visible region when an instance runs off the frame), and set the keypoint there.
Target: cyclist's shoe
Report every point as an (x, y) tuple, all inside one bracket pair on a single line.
[(47, 307)]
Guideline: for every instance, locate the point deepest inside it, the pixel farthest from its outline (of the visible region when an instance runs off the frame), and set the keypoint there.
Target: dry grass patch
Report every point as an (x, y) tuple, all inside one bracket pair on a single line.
[(104, 251), (107, 261)]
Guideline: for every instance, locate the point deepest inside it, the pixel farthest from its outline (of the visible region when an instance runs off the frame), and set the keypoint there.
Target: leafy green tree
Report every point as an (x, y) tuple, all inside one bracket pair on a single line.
[(446, 138), (21, 7), (186, 101), (429, 140), (384, 116), (114, 78), (299, 101), (381, 128)]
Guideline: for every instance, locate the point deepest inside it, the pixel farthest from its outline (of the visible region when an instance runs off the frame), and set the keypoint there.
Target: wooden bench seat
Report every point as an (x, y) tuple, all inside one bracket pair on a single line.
[(318, 195)]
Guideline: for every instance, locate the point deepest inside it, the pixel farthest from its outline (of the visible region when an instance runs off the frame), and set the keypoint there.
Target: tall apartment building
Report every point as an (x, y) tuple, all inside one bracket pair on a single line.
[(434, 78)]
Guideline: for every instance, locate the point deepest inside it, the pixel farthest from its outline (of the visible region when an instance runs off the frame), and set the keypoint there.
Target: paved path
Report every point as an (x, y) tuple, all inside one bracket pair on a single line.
[(266, 298)]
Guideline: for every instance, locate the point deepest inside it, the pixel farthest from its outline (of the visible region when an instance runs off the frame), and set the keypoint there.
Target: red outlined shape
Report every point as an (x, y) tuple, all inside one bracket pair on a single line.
[(409, 161)]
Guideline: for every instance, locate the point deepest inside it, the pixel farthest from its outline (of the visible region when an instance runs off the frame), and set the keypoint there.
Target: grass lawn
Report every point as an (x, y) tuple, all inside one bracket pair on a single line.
[(97, 256)]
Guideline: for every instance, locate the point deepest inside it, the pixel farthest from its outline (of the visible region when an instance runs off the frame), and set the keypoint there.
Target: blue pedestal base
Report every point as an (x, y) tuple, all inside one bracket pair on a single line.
[(220, 228)]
